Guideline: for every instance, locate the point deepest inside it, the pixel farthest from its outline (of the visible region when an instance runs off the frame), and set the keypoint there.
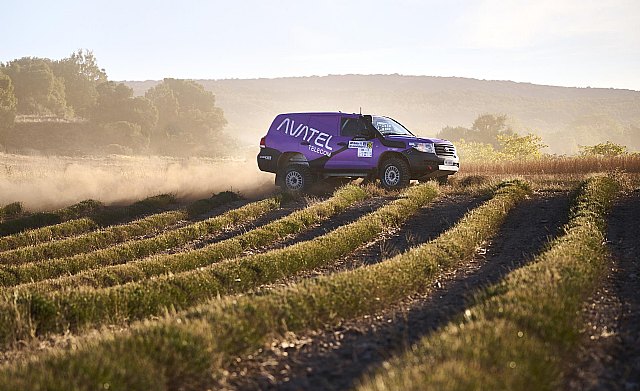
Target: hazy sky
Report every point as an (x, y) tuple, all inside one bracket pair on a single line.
[(557, 42)]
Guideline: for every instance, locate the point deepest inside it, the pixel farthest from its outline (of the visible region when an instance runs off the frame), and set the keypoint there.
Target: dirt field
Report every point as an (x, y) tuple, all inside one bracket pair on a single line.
[(232, 244)]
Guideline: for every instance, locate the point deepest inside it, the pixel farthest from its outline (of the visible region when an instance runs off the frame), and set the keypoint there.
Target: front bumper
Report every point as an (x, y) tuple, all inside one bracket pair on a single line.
[(429, 165)]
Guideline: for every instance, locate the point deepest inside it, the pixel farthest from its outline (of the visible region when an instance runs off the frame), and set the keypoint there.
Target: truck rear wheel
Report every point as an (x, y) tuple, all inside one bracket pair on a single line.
[(295, 178), (394, 174)]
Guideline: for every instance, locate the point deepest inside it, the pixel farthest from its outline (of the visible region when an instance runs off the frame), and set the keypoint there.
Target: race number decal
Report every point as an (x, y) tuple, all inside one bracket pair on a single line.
[(365, 148), (365, 152)]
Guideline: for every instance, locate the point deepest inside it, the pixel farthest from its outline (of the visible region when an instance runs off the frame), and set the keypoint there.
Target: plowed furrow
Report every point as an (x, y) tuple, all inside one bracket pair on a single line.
[(283, 211), (427, 224), (609, 356), (335, 358), (349, 216)]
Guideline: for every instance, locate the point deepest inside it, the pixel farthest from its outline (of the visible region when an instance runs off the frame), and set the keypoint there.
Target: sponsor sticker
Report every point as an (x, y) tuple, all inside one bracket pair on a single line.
[(361, 144), (365, 148), (365, 152)]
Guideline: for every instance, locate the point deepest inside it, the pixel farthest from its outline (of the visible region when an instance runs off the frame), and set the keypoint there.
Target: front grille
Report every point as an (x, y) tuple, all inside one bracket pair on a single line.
[(445, 150)]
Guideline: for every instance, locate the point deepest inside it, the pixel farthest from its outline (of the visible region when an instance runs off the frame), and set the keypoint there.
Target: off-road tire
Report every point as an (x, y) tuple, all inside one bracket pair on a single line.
[(295, 178), (394, 174)]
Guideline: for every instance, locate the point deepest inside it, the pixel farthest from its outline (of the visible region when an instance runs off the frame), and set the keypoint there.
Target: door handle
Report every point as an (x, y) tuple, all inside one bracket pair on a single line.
[(342, 143), (304, 143)]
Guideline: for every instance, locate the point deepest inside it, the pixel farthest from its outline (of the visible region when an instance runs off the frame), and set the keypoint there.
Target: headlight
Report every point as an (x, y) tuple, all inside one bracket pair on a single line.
[(425, 147)]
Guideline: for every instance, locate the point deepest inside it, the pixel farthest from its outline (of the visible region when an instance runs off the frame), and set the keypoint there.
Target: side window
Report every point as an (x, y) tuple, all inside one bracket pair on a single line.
[(350, 127)]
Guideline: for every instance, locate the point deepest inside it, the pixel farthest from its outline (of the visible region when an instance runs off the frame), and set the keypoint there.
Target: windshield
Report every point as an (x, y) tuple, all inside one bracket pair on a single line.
[(387, 126)]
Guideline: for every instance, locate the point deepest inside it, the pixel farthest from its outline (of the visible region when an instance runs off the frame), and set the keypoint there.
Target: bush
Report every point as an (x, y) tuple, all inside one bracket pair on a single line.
[(11, 210), (603, 149)]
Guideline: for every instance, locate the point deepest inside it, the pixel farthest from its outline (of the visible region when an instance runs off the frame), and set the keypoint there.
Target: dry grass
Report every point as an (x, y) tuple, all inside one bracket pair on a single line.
[(555, 165)]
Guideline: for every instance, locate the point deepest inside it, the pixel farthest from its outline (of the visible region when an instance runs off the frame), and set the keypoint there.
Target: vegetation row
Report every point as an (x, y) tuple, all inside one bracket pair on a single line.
[(181, 350), (42, 219), (10, 211), (111, 274), (75, 219), (78, 307), (92, 241), (50, 268), (519, 332), (37, 236)]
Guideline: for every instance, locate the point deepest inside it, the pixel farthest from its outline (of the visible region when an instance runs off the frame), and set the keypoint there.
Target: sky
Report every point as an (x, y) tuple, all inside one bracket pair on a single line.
[(576, 43)]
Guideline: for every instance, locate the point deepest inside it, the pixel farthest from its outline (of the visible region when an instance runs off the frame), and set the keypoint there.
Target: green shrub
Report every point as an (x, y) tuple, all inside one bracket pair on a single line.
[(10, 211), (41, 219)]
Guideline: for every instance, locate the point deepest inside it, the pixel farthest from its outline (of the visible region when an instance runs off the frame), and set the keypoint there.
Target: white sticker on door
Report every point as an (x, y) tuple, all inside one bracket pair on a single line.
[(359, 144), (365, 148), (365, 152)]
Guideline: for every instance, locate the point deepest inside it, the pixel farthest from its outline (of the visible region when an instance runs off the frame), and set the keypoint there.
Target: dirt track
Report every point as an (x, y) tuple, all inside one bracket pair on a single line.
[(336, 358), (609, 358)]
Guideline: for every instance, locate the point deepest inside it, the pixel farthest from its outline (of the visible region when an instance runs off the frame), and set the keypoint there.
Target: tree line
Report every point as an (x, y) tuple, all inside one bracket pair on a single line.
[(175, 117), (492, 138)]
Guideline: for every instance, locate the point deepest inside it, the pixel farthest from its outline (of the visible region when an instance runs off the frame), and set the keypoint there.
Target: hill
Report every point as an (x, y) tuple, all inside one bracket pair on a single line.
[(565, 117)]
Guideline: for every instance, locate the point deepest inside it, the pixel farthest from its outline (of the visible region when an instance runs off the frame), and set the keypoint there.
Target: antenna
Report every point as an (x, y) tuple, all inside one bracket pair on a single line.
[(360, 110)]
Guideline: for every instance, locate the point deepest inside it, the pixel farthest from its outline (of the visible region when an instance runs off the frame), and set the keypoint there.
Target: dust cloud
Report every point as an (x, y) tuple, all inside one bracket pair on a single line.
[(45, 183)]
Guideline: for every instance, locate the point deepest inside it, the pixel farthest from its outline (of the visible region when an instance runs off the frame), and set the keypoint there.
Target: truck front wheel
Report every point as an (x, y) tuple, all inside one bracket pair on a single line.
[(394, 174)]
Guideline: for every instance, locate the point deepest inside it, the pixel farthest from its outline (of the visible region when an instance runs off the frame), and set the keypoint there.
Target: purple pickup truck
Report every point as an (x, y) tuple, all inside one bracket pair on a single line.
[(301, 148)]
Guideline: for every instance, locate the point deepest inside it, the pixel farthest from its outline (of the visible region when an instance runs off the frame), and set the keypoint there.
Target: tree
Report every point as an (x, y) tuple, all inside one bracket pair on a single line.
[(188, 119), (7, 102), (116, 103), (454, 133), (126, 134), (512, 147), (603, 149), (485, 129), (81, 76), (87, 66), (471, 151), (521, 147), (38, 91)]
